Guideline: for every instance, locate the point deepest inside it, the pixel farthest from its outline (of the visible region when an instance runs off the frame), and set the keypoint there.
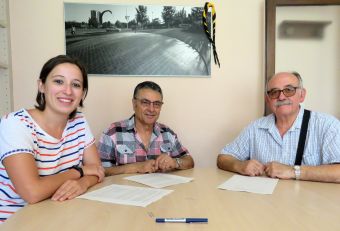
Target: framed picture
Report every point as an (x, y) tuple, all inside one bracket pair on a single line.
[(138, 40)]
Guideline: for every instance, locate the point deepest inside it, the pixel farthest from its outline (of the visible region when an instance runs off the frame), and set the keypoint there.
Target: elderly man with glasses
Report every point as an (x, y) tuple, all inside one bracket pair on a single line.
[(290, 143), (140, 144)]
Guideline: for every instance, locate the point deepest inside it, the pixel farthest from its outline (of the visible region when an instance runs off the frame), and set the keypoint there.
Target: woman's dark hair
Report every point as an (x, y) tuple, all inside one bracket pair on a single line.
[(48, 67)]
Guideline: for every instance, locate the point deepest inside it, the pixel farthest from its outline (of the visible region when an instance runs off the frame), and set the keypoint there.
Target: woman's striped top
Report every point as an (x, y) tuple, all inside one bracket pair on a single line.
[(19, 133)]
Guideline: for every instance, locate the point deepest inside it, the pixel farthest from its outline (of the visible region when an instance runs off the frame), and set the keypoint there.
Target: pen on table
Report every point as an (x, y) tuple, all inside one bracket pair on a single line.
[(181, 220)]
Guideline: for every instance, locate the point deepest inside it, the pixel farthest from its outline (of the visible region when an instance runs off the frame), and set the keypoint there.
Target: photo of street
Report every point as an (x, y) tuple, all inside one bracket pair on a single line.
[(138, 40)]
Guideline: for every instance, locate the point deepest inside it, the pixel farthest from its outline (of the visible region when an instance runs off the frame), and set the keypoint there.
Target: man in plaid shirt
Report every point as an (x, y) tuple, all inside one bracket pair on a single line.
[(141, 144)]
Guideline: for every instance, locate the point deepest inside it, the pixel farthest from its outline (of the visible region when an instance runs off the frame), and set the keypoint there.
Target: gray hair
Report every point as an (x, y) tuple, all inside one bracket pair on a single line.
[(147, 85), (295, 73)]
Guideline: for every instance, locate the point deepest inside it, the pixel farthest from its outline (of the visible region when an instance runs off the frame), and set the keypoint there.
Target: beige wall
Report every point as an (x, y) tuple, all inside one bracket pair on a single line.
[(206, 113), (317, 60)]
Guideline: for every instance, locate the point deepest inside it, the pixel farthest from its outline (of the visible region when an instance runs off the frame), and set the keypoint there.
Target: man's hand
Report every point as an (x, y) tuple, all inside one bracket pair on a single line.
[(252, 168), (147, 166), (277, 170), (165, 163)]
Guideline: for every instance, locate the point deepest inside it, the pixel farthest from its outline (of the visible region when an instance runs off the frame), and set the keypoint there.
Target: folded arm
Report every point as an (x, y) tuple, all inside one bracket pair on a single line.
[(33, 188), (247, 167), (166, 163), (23, 172), (147, 166), (187, 162), (321, 173), (163, 163), (93, 173)]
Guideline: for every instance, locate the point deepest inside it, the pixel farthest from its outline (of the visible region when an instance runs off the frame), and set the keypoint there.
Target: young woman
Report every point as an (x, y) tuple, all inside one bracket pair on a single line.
[(48, 151)]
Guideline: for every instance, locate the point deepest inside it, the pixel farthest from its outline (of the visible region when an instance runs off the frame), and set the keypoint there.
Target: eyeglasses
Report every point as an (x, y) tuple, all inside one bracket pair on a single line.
[(147, 103), (288, 92)]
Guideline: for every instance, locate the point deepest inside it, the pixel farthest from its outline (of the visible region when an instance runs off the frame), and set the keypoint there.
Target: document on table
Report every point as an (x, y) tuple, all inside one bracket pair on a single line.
[(159, 180), (126, 195), (253, 184)]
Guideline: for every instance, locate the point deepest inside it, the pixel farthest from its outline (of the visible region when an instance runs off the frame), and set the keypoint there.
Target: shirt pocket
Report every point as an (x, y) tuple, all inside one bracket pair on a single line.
[(124, 149), (125, 154), (166, 148)]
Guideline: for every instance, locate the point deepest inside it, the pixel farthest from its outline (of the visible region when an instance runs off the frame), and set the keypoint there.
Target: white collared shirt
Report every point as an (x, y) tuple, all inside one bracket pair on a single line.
[(262, 141)]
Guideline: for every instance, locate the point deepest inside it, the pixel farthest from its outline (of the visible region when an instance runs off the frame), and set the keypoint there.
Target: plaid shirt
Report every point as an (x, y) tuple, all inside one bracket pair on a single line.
[(120, 144)]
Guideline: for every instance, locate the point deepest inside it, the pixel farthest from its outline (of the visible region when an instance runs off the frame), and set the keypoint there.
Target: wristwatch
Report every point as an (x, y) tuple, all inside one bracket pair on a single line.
[(297, 171), (178, 163), (79, 169)]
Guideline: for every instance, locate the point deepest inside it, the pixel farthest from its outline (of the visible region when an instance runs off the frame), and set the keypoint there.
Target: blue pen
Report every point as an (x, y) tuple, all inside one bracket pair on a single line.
[(181, 220)]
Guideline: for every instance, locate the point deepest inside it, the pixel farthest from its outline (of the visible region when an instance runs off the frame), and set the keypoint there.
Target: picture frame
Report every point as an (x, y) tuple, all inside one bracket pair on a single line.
[(138, 40)]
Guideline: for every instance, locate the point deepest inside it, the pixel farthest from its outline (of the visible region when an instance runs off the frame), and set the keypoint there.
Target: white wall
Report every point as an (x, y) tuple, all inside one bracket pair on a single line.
[(317, 60), (206, 113)]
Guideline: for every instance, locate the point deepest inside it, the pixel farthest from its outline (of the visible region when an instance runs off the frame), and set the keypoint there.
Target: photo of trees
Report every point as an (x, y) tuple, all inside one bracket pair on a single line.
[(138, 40)]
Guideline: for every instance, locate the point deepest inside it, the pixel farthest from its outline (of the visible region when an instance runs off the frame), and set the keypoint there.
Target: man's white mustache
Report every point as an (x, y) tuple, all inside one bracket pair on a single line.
[(284, 102)]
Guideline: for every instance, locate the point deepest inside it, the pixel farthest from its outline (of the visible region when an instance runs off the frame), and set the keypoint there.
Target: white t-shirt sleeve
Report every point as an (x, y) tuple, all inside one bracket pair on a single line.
[(89, 138), (15, 137)]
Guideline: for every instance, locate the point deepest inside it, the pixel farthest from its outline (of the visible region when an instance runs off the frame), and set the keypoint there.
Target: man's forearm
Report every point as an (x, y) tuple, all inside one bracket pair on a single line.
[(322, 173), (228, 163), (186, 162), (121, 169)]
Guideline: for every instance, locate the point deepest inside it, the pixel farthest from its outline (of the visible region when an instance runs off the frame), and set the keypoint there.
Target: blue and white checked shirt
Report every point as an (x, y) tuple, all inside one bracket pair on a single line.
[(261, 141)]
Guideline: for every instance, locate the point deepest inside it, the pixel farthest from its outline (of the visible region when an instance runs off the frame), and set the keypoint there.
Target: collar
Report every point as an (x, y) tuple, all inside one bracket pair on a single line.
[(270, 121), (130, 126), (298, 121)]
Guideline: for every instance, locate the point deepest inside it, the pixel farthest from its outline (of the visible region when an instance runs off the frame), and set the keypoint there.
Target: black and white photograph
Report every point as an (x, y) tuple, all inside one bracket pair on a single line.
[(138, 40)]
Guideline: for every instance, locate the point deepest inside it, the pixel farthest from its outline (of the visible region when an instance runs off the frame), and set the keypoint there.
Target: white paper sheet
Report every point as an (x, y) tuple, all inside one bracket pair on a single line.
[(126, 195), (262, 185), (159, 180)]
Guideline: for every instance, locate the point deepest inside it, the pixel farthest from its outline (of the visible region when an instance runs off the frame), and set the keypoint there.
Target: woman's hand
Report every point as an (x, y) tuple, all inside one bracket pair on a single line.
[(70, 189), (94, 170)]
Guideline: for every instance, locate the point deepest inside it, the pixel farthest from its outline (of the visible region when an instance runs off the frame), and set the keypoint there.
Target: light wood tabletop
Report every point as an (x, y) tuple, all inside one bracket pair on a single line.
[(294, 205)]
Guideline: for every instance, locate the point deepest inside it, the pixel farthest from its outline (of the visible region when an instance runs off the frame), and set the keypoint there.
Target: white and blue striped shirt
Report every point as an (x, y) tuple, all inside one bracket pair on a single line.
[(20, 133), (261, 141)]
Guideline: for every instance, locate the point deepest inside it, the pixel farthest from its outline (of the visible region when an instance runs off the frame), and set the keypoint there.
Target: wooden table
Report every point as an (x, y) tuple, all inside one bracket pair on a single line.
[(294, 205)]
